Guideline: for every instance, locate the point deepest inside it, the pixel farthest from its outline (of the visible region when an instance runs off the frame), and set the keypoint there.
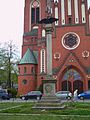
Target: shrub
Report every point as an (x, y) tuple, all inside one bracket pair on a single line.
[(12, 92)]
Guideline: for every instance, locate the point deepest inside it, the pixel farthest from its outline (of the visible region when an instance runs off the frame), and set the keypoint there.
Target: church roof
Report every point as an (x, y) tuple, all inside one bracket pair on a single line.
[(33, 32), (30, 57)]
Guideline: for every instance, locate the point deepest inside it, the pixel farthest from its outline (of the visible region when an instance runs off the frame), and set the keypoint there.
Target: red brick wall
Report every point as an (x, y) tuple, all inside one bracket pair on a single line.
[(82, 30)]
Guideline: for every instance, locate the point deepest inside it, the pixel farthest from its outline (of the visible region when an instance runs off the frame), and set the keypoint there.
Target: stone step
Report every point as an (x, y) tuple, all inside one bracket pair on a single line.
[(49, 97), (49, 108), (49, 104), (48, 101)]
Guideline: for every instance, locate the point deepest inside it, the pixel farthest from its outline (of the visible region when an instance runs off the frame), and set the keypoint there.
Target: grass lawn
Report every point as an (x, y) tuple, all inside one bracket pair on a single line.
[(24, 111), (6, 105), (42, 117)]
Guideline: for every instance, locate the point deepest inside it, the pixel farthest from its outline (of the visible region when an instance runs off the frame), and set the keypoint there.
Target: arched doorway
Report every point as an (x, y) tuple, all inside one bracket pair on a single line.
[(88, 84), (64, 86), (72, 80), (78, 85)]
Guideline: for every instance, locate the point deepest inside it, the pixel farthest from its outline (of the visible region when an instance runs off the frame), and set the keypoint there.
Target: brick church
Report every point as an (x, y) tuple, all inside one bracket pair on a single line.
[(66, 51)]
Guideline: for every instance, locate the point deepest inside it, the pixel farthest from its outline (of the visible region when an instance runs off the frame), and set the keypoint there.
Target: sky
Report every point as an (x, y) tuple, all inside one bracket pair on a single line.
[(12, 21)]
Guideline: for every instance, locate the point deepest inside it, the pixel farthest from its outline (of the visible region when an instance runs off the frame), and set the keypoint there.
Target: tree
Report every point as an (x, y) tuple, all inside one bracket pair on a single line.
[(9, 59)]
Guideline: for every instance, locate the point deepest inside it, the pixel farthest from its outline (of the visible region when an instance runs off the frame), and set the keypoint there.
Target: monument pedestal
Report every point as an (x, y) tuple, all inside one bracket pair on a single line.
[(49, 101), (49, 86)]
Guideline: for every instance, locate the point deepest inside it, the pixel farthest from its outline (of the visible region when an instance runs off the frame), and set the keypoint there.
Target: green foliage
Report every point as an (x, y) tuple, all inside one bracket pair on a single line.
[(8, 63), (13, 92)]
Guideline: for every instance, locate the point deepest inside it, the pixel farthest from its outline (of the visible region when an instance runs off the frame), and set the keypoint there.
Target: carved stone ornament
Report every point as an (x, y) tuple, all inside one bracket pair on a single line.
[(55, 77), (88, 76), (57, 56), (85, 54), (48, 88), (70, 40), (25, 40), (35, 3)]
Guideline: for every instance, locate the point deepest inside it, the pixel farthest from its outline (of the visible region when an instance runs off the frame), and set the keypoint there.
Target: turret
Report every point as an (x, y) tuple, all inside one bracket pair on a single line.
[(27, 72)]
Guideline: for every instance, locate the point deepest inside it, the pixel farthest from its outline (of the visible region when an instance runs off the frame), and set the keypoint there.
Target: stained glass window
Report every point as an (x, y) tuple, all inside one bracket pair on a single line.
[(72, 73)]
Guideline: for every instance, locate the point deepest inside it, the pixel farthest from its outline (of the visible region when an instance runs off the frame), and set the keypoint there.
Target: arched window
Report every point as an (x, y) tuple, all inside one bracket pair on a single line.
[(56, 15), (70, 20), (83, 14), (69, 7), (43, 33), (33, 70), (35, 12), (89, 85), (25, 70), (72, 73), (19, 70), (42, 63)]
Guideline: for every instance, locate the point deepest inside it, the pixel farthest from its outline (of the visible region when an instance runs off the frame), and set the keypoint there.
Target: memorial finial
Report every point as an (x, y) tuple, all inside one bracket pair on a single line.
[(49, 8)]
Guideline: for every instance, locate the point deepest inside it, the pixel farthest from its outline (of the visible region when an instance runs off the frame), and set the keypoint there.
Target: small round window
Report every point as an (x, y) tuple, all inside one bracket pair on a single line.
[(70, 41), (24, 82)]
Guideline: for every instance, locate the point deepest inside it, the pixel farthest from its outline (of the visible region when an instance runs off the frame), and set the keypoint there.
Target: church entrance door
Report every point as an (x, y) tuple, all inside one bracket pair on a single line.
[(72, 80)]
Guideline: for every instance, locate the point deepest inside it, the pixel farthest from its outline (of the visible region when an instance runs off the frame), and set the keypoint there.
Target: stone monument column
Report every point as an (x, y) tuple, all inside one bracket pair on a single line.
[(49, 48), (49, 83)]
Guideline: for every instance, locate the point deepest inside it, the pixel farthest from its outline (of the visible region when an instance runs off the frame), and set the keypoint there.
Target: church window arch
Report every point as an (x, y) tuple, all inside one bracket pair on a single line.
[(35, 12), (25, 70), (70, 20), (69, 7), (88, 84), (19, 70), (42, 63), (56, 15), (33, 70), (83, 13), (43, 33), (72, 73)]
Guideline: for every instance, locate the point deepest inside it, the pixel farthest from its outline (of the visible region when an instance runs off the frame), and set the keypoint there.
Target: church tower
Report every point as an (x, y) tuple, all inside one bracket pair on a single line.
[(70, 45)]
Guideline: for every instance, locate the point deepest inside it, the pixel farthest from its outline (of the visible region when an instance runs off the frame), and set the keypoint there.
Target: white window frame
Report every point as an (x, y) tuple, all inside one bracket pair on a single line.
[(42, 61)]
